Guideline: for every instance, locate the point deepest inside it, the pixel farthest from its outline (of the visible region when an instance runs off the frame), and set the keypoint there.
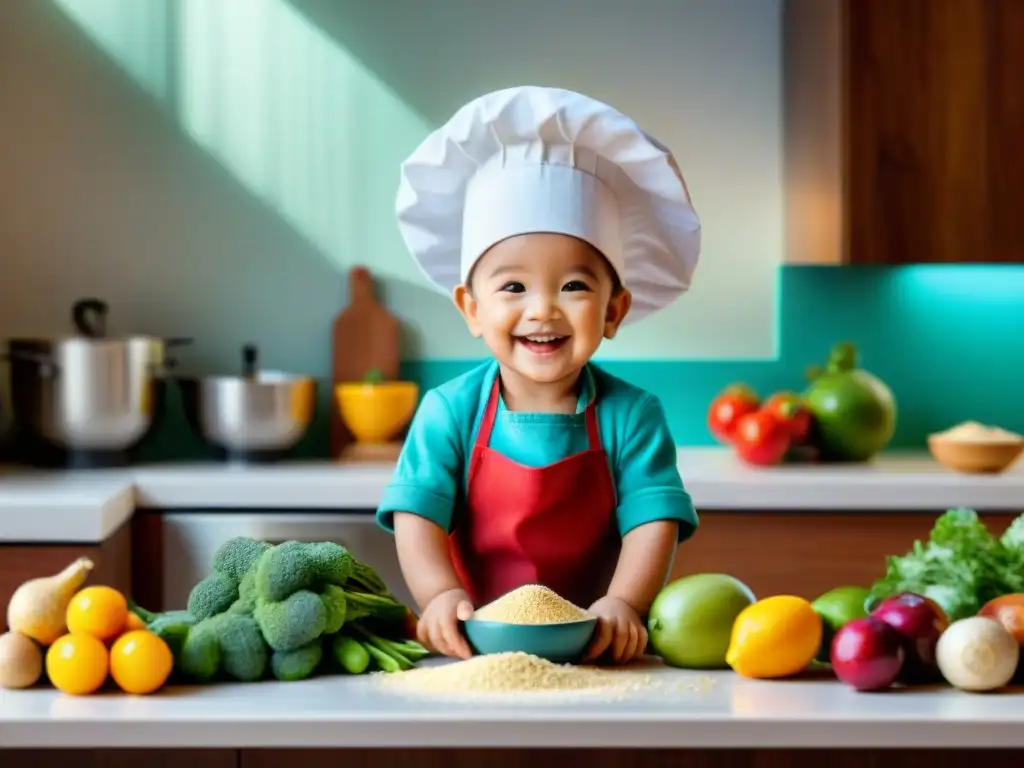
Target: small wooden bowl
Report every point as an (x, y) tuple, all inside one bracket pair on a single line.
[(975, 458)]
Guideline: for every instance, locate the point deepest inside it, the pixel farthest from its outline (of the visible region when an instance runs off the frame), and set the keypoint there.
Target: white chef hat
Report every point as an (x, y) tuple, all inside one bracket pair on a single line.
[(536, 159)]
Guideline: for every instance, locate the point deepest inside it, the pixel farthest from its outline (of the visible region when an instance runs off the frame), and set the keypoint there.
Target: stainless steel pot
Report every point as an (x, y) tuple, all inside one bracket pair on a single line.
[(89, 392), (257, 416)]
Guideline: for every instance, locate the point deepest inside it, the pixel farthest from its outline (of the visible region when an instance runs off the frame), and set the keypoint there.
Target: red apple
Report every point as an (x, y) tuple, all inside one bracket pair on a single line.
[(920, 621), (867, 654)]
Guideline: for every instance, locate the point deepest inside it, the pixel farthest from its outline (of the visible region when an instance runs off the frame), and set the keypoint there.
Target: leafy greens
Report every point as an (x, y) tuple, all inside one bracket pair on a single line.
[(961, 567)]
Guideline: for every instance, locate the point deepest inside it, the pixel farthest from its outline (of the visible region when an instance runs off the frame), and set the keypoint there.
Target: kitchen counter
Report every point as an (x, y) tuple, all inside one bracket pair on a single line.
[(83, 505), (348, 712)]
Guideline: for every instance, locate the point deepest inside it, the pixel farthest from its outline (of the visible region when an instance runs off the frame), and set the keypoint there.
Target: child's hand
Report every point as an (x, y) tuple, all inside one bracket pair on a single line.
[(619, 630), (438, 627)]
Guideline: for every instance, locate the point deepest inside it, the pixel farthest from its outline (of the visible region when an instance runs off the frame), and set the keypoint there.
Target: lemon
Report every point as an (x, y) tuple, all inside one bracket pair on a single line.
[(775, 637)]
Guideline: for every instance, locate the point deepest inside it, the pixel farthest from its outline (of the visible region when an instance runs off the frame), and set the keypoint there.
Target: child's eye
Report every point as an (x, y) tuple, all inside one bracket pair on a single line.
[(575, 285), (513, 286)]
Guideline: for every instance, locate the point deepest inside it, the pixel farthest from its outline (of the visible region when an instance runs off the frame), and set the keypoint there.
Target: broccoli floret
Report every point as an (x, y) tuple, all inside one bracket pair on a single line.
[(335, 604), (295, 565), (297, 664), (331, 562), (293, 622), (200, 653), (229, 643), (246, 602), (243, 652), (235, 557), (212, 595)]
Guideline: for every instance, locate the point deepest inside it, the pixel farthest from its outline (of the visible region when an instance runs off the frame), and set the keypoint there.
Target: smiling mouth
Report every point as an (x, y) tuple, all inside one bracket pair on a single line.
[(542, 344)]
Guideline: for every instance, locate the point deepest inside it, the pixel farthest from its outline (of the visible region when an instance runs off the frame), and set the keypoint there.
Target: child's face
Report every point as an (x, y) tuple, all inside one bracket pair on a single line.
[(542, 303)]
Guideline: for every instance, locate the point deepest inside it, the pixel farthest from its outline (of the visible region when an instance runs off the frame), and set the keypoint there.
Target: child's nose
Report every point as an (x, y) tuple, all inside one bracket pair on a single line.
[(543, 308)]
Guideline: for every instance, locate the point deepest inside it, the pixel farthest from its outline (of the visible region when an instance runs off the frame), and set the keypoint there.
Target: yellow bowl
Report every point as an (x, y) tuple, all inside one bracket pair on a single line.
[(975, 457), (376, 413)]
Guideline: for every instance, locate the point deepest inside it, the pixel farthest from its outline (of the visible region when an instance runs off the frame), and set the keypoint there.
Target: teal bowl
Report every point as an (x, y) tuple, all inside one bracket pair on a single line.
[(559, 643)]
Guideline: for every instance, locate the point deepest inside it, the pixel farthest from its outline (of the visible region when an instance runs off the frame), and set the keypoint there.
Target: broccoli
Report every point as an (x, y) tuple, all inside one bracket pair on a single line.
[(219, 591), (212, 595), (235, 557), (229, 644), (295, 565), (172, 626), (297, 664), (246, 602), (385, 609), (367, 580), (390, 655), (200, 653), (350, 654), (337, 606), (243, 651), (293, 622)]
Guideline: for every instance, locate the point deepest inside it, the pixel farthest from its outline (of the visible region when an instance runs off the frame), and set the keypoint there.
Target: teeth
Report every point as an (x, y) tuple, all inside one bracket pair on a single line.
[(543, 339)]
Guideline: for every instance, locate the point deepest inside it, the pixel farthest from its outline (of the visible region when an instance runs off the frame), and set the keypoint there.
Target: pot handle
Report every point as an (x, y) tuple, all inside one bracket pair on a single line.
[(90, 317)]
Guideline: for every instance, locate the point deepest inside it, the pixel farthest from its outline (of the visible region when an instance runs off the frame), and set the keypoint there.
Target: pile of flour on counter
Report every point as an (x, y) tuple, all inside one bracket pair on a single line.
[(525, 678), (521, 676)]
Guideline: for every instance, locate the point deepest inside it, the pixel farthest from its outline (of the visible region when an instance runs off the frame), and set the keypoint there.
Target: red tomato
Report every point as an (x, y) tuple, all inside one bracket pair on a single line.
[(762, 438), (731, 404), (788, 408)]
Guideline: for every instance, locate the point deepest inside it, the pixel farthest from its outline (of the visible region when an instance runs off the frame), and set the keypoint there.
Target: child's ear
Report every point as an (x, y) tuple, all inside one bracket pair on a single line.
[(463, 298), (618, 308)]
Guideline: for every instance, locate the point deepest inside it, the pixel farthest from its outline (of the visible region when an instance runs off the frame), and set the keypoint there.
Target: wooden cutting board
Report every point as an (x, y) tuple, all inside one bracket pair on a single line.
[(366, 337)]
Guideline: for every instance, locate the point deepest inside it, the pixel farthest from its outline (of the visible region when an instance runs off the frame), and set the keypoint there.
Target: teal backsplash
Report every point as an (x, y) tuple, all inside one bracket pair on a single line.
[(949, 341)]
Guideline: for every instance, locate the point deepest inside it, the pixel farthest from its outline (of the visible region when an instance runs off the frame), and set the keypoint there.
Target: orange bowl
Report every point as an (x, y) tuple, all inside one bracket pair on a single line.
[(975, 457), (376, 413)]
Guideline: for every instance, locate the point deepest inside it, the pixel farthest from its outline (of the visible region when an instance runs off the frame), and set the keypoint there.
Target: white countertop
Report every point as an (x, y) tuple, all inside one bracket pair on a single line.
[(349, 712), (89, 505)]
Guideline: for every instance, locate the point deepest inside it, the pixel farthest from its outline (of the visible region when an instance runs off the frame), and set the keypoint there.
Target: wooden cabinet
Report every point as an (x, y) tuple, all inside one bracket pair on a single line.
[(903, 125), (112, 560), (806, 553)]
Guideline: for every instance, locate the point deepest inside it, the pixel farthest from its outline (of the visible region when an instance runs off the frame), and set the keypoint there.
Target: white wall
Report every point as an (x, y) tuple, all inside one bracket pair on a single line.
[(229, 203)]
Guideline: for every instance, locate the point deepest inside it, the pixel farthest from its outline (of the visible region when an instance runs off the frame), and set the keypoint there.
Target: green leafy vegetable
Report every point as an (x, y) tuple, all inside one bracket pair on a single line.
[(961, 567)]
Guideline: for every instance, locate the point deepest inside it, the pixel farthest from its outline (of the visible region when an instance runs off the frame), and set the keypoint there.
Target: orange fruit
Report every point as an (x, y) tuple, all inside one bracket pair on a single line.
[(133, 622), (77, 664), (140, 662), (1008, 610), (98, 611), (775, 637)]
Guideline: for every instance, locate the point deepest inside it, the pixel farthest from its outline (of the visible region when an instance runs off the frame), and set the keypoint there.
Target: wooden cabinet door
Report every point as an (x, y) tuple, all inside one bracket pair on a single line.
[(1006, 129), (921, 130)]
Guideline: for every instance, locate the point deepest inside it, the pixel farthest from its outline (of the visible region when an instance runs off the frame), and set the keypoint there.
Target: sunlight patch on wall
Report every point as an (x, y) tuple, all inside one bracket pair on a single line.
[(133, 32), (300, 122)]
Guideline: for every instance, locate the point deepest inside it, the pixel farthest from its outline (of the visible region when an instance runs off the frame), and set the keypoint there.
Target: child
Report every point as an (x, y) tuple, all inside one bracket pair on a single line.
[(551, 219)]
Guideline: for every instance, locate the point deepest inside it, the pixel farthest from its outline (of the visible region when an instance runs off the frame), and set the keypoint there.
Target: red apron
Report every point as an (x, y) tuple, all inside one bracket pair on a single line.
[(552, 525)]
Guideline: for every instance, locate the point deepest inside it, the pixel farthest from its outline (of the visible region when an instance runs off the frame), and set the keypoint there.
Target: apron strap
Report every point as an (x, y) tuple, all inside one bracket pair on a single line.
[(593, 436), (483, 435)]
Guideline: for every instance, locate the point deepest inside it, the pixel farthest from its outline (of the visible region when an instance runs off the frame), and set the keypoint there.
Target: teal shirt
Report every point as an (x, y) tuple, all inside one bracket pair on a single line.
[(432, 472)]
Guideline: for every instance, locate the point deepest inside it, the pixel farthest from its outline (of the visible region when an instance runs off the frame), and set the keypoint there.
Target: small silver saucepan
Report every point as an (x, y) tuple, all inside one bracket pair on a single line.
[(90, 392), (258, 416)]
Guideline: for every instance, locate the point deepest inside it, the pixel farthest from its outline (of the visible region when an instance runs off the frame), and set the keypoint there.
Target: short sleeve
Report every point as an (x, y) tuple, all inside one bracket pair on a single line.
[(427, 476), (647, 475)]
